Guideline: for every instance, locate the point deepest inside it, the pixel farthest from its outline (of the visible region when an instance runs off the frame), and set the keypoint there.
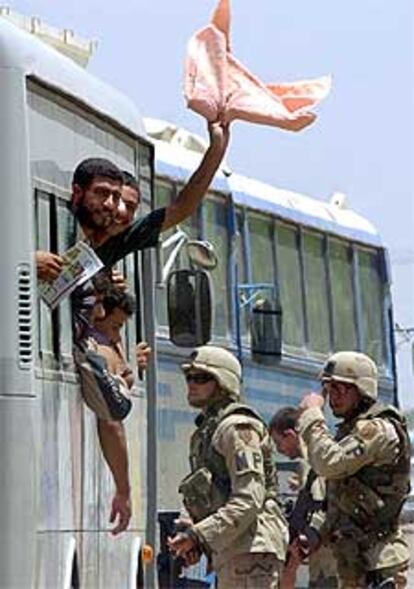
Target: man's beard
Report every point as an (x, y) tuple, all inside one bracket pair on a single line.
[(85, 218)]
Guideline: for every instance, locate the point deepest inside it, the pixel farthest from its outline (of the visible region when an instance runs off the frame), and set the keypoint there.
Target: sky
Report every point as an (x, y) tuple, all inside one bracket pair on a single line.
[(362, 141)]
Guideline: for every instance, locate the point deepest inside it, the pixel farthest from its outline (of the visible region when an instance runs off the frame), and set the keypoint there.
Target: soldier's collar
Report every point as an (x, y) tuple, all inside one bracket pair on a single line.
[(211, 411)]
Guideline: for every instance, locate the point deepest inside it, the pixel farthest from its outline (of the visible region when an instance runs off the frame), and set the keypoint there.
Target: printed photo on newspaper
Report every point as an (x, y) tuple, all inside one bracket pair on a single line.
[(80, 264)]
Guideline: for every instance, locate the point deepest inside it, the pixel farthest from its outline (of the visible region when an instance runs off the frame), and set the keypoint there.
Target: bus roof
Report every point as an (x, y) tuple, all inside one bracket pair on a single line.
[(178, 152), (178, 163), (22, 51), (301, 209)]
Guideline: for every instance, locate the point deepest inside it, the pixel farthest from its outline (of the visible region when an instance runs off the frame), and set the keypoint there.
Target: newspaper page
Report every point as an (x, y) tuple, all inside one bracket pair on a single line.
[(80, 263)]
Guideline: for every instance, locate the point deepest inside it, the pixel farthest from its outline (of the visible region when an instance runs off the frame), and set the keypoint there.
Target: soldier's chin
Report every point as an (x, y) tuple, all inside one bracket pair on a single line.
[(338, 412), (196, 403)]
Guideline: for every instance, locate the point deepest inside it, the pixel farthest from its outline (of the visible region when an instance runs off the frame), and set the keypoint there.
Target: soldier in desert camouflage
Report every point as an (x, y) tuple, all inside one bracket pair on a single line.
[(366, 467), (231, 493)]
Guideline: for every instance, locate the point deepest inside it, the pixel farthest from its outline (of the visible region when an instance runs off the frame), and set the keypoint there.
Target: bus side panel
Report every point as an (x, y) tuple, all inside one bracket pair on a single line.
[(60, 459), (115, 551), (17, 403)]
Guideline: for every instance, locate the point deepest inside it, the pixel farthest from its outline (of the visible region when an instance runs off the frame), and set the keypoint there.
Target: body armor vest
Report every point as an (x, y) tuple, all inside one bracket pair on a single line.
[(203, 457), (369, 502)]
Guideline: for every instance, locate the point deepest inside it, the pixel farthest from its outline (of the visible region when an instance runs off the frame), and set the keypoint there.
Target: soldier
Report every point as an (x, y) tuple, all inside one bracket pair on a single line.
[(231, 493), (367, 471), (308, 515)]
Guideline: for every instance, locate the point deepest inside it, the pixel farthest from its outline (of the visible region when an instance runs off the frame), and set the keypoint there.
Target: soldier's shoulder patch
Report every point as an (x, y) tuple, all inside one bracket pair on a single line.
[(367, 430), (245, 433), (248, 461)]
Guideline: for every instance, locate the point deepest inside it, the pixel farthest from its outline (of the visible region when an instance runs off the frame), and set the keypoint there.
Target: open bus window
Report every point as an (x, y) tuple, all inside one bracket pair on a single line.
[(189, 307)]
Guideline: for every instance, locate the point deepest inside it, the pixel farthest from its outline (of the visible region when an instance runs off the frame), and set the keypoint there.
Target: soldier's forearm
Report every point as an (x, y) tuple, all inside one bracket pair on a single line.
[(230, 521)]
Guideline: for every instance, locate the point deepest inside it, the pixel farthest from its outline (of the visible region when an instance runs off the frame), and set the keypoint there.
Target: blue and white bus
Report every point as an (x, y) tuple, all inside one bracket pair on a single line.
[(319, 269)]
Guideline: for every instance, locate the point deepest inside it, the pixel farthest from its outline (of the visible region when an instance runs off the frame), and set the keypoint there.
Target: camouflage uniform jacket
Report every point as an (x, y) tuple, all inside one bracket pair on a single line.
[(367, 469), (239, 512)]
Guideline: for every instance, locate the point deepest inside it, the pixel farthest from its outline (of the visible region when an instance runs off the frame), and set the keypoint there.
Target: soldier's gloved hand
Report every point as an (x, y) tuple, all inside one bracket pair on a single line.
[(312, 400), (184, 542)]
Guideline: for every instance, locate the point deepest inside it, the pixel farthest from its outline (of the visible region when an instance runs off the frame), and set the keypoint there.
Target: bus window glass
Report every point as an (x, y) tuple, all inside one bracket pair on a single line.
[(261, 250), (343, 303), (42, 204), (316, 292), (290, 285), (261, 245), (163, 197), (59, 127), (65, 232), (216, 233), (242, 277), (372, 307)]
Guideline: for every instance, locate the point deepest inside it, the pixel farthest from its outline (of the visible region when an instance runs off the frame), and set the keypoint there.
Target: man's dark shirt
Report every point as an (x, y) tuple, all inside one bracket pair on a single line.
[(142, 234)]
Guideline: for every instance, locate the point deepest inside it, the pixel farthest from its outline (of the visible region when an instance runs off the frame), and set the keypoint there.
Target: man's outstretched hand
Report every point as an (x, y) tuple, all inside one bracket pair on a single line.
[(120, 513)]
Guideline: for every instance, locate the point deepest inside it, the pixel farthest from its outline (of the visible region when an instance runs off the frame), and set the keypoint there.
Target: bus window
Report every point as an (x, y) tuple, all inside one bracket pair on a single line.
[(215, 212), (43, 242), (242, 276), (65, 232), (261, 245), (343, 302), (316, 292), (163, 197), (290, 285), (372, 306)]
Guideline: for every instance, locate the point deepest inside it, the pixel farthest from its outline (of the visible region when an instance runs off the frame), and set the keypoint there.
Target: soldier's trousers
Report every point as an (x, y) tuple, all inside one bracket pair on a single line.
[(250, 571)]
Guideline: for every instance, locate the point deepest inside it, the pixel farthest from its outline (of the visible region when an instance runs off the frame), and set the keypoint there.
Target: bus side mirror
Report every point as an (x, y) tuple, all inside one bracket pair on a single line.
[(189, 307), (266, 329)]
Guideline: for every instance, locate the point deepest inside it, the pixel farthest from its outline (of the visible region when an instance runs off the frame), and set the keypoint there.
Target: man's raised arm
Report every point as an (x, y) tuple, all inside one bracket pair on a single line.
[(190, 196)]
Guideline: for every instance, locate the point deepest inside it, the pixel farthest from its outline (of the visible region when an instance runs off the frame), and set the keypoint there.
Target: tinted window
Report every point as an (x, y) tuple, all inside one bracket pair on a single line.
[(290, 285), (343, 302), (316, 292)]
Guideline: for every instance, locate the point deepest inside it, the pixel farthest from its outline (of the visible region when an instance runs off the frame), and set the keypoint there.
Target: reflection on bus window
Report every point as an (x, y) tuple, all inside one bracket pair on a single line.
[(343, 302), (316, 292), (42, 208), (216, 233), (242, 276), (163, 197), (372, 310), (65, 235), (290, 284)]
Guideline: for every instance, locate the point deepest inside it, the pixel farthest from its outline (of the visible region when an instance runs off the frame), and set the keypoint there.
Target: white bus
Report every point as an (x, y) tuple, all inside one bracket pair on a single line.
[(55, 490)]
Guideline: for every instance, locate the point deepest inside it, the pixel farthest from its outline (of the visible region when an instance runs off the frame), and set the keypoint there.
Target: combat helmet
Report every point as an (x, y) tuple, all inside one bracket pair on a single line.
[(221, 364), (355, 368)]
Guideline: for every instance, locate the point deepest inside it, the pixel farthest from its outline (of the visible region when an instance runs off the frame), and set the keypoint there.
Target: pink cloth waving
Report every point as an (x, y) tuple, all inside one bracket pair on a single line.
[(218, 86)]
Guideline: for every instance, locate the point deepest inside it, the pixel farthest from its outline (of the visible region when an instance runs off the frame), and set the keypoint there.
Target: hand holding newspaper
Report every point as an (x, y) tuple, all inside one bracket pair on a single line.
[(79, 264)]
